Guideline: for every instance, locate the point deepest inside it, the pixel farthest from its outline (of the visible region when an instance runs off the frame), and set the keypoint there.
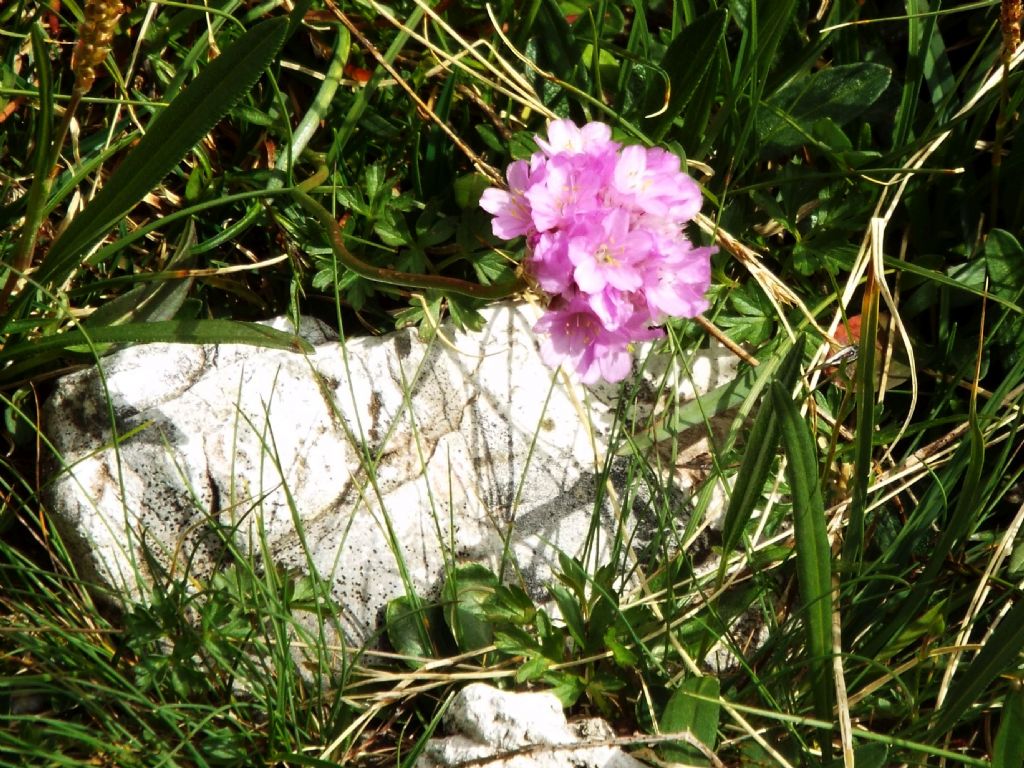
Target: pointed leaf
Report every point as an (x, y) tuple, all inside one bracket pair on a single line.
[(686, 62), (571, 614), (150, 301), (410, 626), (864, 443), (757, 462), (35, 201), (813, 559), (168, 331)]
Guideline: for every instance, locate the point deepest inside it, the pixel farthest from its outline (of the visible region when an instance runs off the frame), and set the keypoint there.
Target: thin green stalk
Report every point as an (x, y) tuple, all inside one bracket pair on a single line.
[(318, 110)]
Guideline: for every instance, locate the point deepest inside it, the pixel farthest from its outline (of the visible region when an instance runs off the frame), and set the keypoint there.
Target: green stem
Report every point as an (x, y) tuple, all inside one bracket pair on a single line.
[(392, 277), (310, 122)]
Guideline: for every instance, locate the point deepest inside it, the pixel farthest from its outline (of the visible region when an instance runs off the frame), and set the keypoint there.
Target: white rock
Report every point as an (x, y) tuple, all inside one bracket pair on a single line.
[(498, 729), (381, 448)]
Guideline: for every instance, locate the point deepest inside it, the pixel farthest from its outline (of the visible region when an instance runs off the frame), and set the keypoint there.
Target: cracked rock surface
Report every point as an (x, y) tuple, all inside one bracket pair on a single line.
[(381, 448)]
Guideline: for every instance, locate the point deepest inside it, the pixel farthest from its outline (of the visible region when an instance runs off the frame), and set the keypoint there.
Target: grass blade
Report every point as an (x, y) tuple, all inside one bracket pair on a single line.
[(753, 471), (43, 161), (814, 570), (865, 386), (999, 655), (1008, 751), (971, 461), (35, 353), (149, 302)]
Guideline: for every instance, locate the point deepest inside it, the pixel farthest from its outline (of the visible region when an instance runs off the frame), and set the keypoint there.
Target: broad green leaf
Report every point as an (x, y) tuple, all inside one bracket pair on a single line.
[(623, 656), (515, 641), (572, 574), (1008, 751), (840, 94), (463, 315), (468, 188), (532, 669), (831, 135), (512, 604), (1016, 565), (813, 559), (686, 62), (465, 594), (689, 709), (1000, 655), (410, 627), (762, 441), (603, 617), (566, 687), (571, 614), (178, 128), (1004, 257)]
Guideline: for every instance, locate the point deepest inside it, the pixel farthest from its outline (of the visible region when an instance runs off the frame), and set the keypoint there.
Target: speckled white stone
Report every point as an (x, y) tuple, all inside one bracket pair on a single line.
[(382, 448)]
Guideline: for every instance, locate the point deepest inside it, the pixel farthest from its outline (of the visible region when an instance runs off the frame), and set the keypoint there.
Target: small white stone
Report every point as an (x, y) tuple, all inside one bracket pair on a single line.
[(519, 730)]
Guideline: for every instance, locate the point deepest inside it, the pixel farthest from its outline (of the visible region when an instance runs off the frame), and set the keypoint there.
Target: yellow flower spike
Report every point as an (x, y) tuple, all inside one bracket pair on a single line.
[(94, 37)]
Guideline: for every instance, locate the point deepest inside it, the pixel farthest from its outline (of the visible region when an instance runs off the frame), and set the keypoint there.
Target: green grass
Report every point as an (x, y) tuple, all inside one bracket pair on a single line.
[(856, 164)]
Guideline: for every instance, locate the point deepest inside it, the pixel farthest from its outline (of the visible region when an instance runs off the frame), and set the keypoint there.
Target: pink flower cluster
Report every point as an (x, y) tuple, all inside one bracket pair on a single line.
[(604, 234)]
